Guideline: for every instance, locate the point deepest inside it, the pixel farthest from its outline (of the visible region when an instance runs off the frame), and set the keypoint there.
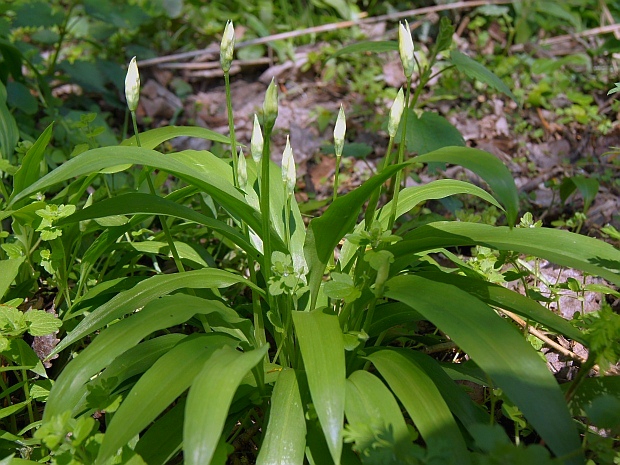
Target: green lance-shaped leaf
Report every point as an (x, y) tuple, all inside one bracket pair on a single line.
[(424, 403), (326, 231), (8, 272), (153, 137), (285, 437), (322, 349), (557, 246), (209, 400), (115, 340), (163, 440), (485, 165), (166, 380), (200, 169), (475, 70), (9, 132), (413, 196), (500, 297), (369, 403), (30, 171), (146, 291), (138, 203), (501, 351)]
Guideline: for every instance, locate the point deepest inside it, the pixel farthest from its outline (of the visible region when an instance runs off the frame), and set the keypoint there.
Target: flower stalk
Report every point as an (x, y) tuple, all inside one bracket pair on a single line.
[(339, 132), (227, 49)]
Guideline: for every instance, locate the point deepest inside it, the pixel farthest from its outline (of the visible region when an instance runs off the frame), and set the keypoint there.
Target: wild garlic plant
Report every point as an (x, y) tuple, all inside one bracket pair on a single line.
[(305, 351)]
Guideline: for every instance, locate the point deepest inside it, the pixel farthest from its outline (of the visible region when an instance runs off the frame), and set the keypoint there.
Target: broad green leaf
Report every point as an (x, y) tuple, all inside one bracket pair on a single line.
[(370, 404), (410, 197), (430, 132), (30, 170), (166, 380), (322, 349), (367, 46), (8, 272), (457, 400), (152, 138), (209, 400), (41, 323), (557, 246), (326, 231), (207, 177), (588, 188), (475, 70), (501, 351), (444, 38), (501, 297), (132, 362), (164, 438), (9, 132), (146, 291), (137, 203), (115, 340), (392, 314), (424, 403), (185, 251), (591, 389), (12, 409), (285, 437), (485, 165)]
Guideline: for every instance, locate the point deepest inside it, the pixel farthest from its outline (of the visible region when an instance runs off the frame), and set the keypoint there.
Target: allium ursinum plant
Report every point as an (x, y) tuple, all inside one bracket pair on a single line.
[(312, 366)]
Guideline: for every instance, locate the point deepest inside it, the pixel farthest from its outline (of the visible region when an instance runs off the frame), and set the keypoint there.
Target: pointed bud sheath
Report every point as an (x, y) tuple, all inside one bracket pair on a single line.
[(270, 106), (242, 171), (339, 132), (405, 48), (132, 85), (396, 112), (289, 173), (256, 143), (227, 46)]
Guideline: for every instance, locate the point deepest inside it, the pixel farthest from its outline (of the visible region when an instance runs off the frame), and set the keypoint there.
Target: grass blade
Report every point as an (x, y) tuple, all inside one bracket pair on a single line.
[(209, 400), (322, 349), (500, 350)]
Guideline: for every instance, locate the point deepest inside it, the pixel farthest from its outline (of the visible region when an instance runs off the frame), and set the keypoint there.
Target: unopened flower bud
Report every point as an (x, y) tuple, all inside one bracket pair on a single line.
[(256, 143), (270, 106), (132, 85), (227, 46), (339, 132), (242, 171), (396, 112), (289, 173), (405, 48)]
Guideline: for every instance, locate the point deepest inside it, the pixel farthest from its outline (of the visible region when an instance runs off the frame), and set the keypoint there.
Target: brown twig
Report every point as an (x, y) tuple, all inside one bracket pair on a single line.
[(563, 38), (213, 49)]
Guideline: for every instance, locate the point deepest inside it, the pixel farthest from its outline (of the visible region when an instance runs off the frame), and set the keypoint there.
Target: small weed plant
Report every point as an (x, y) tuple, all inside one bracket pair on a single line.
[(269, 339)]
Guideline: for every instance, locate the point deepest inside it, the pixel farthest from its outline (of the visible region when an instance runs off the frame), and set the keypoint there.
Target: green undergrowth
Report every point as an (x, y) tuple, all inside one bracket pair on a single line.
[(201, 319)]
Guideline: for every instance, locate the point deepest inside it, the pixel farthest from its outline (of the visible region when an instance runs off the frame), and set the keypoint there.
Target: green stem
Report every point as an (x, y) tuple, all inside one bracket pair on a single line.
[(397, 179), (231, 128), (162, 220), (369, 216), (62, 33), (265, 212), (336, 178)]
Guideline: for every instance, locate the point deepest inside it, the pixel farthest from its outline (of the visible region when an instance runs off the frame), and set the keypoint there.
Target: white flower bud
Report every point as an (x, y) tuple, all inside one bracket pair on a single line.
[(132, 85), (405, 48), (339, 132), (270, 106), (289, 173), (396, 112), (227, 47), (256, 143), (242, 171)]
